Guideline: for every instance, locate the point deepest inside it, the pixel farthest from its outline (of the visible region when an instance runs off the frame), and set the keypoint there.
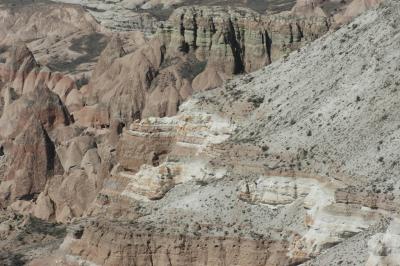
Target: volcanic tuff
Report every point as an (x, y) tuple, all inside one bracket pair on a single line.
[(154, 144)]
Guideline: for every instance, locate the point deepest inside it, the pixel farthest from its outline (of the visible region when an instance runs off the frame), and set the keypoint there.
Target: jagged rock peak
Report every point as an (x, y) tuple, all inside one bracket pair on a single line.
[(41, 103), (113, 50), (20, 58)]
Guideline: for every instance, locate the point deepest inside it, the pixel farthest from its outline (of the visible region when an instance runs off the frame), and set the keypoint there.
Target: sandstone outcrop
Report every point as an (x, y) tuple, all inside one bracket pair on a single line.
[(228, 41), (152, 158), (384, 200), (41, 104), (32, 161), (94, 244), (149, 150), (326, 216), (141, 86), (29, 151), (236, 40)]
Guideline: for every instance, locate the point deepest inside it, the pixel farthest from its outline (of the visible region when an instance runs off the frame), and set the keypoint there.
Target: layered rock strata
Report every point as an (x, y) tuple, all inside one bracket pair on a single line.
[(327, 218), (94, 245), (235, 171), (237, 40)]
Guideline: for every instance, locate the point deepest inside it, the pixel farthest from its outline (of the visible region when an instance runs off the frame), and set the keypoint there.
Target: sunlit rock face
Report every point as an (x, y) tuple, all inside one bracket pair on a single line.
[(156, 154), (328, 222), (236, 40), (283, 190), (21, 74), (92, 245)]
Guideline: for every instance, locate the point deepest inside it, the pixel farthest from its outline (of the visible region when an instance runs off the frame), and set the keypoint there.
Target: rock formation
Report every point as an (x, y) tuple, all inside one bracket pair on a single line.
[(93, 245), (43, 20), (234, 41), (308, 196), (151, 142), (190, 52), (30, 153), (60, 36)]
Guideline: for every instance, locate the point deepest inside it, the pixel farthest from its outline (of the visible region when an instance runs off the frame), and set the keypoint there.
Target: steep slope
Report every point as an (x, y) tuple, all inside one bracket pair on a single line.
[(196, 49), (329, 111), (336, 96)]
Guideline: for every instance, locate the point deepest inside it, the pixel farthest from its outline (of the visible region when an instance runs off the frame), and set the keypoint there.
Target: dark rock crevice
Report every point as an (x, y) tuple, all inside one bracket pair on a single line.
[(231, 39)]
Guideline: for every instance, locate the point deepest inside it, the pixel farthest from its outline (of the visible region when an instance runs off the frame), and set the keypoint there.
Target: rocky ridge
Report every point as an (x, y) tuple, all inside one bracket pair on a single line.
[(190, 53), (236, 40)]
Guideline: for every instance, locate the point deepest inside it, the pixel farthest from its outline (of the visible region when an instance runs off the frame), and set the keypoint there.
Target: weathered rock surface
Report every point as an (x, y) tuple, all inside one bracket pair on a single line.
[(32, 161), (141, 86), (118, 15), (279, 167), (41, 104), (293, 134), (94, 245), (234, 40), (21, 74), (20, 235), (30, 153), (59, 35), (311, 204), (197, 49), (149, 165)]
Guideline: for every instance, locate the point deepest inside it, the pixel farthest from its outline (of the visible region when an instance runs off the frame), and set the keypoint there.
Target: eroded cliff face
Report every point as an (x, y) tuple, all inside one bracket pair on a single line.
[(327, 217), (140, 85), (94, 245), (197, 49), (237, 40)]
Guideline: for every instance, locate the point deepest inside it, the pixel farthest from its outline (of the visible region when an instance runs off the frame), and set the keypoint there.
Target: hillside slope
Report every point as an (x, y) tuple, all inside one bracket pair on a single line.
[(335, 100)]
